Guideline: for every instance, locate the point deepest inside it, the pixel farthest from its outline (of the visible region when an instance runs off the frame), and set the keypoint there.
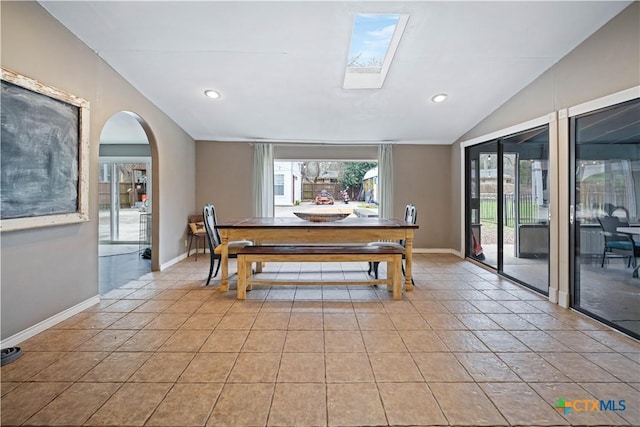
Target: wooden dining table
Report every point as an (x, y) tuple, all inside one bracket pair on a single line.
[(293, 230)]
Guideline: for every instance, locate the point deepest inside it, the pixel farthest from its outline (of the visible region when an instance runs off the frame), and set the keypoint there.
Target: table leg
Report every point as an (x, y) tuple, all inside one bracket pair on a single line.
[(397, 277), (259, 265), (242, 278), (408, 286), (224, 259)]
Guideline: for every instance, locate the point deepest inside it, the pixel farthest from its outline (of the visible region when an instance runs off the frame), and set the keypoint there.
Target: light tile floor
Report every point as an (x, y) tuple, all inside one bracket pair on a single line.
[(464, 348)]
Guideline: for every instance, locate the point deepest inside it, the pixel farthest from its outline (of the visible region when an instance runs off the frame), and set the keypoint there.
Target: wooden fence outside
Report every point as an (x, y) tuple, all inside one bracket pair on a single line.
[(311, 190)]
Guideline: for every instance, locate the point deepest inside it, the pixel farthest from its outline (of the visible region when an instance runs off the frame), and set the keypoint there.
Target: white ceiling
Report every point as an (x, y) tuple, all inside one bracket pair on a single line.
[(280, 65)]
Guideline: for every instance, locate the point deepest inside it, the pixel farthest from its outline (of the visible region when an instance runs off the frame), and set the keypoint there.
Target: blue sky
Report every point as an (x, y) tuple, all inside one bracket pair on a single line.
[(371, 37)]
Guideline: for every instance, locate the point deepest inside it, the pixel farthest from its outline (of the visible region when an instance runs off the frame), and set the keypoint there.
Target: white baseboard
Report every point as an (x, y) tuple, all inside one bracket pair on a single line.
[(48, 323), (173, 261), (559, 297), (457, 253), (563, 299), (435, 251)]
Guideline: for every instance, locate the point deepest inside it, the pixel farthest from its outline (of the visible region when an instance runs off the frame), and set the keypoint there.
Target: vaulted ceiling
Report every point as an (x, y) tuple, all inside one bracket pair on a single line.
[(280, 66)]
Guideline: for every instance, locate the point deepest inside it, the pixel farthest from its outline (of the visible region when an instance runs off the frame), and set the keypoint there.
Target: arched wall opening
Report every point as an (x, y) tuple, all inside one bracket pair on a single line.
[(127, 201)]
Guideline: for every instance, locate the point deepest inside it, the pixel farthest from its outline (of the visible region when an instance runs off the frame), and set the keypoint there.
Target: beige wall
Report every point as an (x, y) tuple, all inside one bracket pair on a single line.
[(325, 152), (224, 178), (421, 176), (48, 270)]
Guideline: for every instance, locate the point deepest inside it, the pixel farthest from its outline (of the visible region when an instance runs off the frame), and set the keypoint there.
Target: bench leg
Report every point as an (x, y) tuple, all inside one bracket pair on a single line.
[(248, 272), (389, 275), (242, 278), (397, 277), (392, 277)]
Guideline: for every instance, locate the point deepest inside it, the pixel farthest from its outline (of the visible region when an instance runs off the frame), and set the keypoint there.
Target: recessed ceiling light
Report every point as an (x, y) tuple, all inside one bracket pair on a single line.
[(439, 97), (212, 94)]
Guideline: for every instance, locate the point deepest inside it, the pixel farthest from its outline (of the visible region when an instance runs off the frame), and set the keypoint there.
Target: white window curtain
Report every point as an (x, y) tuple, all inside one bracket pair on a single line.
[(263, 180), (385, 181)]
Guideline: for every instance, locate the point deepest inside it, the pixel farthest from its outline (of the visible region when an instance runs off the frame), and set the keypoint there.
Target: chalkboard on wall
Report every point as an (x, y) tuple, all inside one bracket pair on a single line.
[(43, 154)]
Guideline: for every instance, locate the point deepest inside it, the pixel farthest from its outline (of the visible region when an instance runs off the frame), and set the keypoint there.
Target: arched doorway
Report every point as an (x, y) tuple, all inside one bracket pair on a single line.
[(125, 201)]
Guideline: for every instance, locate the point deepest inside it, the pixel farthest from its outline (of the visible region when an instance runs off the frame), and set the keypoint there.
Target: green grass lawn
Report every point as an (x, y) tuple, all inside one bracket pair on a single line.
[(489, 211)]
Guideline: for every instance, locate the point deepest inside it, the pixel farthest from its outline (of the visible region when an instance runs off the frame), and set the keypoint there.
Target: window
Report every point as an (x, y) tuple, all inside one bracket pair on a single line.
[(374, 41), (370, 40), (278, 185), (302, 181)]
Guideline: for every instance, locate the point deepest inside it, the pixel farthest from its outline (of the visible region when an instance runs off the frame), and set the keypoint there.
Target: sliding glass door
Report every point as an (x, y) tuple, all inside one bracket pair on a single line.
[(123, 201), (482, 203), (606, 195), (508, 206), (525, 210)]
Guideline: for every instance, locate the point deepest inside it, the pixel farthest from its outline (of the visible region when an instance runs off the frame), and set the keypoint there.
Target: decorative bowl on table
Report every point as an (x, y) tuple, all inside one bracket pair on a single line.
[(322, 216)]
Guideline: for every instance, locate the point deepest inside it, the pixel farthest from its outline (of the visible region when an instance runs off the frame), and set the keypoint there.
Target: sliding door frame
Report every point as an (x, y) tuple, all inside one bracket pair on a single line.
[(568, 232), (551, 121)]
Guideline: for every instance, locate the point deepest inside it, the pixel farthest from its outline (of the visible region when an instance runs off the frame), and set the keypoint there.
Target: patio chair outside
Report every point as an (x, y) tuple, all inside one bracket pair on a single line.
[(615, 243)]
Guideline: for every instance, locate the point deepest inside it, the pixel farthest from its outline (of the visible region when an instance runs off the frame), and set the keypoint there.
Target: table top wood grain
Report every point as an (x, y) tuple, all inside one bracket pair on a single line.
[(289, 222)]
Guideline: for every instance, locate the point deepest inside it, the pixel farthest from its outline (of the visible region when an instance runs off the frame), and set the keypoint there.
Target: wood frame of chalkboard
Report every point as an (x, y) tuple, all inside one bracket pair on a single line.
[(44, 179)]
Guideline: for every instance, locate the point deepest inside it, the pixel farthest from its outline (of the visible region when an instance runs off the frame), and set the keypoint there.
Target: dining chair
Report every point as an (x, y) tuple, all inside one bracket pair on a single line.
[(616, 243), (196, 232), (410, 216), (215, 242), (620, 212)]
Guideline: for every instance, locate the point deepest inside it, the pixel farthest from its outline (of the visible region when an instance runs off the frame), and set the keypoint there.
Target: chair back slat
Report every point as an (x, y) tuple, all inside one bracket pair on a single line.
[(620, 212), (611, 223), (410, 217), (610, 226), (410, 214), (209, 214)]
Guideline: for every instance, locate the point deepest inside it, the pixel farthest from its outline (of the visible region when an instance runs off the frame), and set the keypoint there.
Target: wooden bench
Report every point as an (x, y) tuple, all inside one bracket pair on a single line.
[(250, 254)]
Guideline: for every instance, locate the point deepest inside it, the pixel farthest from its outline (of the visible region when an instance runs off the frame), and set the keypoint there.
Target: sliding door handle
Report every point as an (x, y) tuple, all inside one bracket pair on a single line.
[(571, 214)]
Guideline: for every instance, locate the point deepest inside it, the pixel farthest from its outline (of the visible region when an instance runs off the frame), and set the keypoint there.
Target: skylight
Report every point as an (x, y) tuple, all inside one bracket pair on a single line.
[(374, 41)]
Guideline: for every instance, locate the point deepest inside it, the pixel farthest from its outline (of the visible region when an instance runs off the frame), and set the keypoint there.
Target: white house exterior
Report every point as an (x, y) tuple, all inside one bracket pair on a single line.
[(287, 183), (370, 185)]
